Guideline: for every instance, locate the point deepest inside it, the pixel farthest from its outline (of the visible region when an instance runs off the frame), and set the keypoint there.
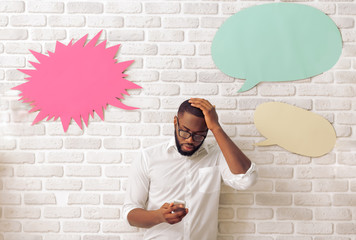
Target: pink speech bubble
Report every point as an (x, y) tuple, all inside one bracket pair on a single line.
[(75, 81)]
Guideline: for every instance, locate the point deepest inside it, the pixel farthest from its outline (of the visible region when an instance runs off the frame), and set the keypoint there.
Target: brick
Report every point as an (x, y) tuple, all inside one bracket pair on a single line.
[(293, 186), (61, 212), (123, 7), (314, 228), (158, 117), (48, 34), (65, 157), (176, 49), (333, 214), (114, 198), (97, 129), (39, 171), (275, 172), (122, 117), (22, 212), (40, 143), (117, 171), (255, 213), (138, 49), (226, 213), (345, 77), (101, 184), (204, 49), (344, 199), (104, 157), (327, 159), (7, 144), (121, 143), (84, 7), (101, 213), (142, 76), (330, 186), (275, 228), (346, 9), (161, 89), (142, 130), (4, 21), (251, 103), (126, 35), (237, 118), (314, 172), (22, 48), (142, 21), (105, 21), (346, 118), (79, 143), (212, 22), (82, 171), (6, 171), (28, 21), (12, 61), (66, 21), (200, 8), (233, 198), (291, 159), (63, 184), (10, 199), (23, 184), (346, 158), (335, 104), (163, 63), (199, 89), (45, 7), (229, 90), (214, 77), (110, 237), (83, 199), (178, 76), (162, 8), (12, 7), (61, 237), (236, 227), (277, 90), (199, 35), (180, 22), (81, 226), (117, 227), (39, 198), (297, 214), (10, 226), (312, 200), (272, 199), (16, 157), (346, 228)]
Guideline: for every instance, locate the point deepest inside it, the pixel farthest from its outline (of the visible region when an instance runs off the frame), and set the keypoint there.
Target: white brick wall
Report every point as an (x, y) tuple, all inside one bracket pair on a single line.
[(71, 186)]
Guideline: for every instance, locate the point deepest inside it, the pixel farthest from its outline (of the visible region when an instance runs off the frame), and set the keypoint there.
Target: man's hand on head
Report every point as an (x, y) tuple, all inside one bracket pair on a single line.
[(210, 114), (171, 213)]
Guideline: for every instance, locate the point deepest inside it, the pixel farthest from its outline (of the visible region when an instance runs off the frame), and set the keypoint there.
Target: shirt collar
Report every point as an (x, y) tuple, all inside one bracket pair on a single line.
[(172, 145)]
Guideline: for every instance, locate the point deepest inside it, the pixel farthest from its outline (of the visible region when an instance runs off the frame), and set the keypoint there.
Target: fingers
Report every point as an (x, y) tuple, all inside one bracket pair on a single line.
[(177, 216), (203, 104)]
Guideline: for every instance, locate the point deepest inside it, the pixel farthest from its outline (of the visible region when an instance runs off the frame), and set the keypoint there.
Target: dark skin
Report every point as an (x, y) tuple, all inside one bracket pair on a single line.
[(237, 161)]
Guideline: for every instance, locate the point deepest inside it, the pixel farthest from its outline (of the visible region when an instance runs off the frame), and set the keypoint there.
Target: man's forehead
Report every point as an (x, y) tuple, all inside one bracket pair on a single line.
[(192, 122)]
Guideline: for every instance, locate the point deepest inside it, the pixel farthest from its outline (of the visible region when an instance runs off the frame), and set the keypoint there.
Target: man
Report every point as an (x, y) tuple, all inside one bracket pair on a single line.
[(186, 169)]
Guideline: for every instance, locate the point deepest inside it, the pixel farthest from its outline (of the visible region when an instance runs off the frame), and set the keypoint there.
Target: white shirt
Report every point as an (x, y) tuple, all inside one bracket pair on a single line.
[(164, 175)]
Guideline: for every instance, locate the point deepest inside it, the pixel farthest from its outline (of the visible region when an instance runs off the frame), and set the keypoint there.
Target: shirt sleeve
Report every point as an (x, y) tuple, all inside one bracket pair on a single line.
[(237, 181), (137, 187)]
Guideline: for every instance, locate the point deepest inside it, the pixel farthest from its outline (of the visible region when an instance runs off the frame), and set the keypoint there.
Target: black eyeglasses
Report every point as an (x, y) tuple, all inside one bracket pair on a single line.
[(185, 134)]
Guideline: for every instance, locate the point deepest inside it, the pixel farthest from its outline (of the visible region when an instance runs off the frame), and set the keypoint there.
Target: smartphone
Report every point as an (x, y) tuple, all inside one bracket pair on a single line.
[(179, 203)]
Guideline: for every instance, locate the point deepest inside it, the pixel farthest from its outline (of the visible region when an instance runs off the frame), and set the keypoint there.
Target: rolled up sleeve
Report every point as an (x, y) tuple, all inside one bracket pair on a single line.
[(238, 181), (137, 187)]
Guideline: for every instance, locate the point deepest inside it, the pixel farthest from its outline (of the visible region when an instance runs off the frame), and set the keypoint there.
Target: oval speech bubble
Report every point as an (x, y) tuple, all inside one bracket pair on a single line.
[(276, 42), (294, 129)]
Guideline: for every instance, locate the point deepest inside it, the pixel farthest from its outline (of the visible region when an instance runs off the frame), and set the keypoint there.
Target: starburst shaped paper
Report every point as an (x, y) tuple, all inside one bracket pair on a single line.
[(74, 81)]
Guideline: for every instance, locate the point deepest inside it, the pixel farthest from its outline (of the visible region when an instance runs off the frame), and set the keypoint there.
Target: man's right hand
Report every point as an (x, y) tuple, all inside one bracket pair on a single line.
[(171, 213)]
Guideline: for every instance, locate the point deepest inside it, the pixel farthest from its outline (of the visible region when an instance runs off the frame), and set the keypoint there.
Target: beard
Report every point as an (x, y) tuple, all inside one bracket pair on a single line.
[(184, 153)]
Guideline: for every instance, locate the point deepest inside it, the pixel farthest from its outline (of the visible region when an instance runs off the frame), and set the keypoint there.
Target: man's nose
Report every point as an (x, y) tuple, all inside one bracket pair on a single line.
[(190, 139)]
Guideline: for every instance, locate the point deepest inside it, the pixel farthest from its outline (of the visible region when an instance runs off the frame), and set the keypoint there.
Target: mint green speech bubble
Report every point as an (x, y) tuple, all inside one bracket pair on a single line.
[(276, 42)]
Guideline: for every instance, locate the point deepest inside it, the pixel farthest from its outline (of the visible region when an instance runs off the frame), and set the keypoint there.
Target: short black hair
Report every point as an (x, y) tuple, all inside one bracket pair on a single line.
[(187, 107)]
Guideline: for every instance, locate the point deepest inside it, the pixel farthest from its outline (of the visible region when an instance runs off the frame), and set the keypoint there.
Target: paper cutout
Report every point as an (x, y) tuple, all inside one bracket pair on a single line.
[(276, 42), (74, 81), (294, 129)]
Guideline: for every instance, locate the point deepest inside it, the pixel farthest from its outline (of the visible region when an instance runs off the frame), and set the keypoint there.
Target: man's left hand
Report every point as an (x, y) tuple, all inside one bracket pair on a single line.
[(210, 115)]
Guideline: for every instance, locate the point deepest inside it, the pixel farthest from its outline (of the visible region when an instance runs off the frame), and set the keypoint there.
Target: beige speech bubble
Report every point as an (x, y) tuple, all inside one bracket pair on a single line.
[(294, 129)]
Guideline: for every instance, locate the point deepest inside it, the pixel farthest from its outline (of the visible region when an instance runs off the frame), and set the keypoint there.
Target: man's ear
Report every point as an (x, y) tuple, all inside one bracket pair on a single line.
[(175, 120)]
